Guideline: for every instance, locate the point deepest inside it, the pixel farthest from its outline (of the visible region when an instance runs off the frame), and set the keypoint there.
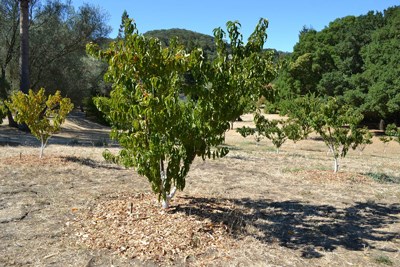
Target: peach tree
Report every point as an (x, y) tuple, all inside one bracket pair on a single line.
[(338, 126), (42, 114), (168, 106)]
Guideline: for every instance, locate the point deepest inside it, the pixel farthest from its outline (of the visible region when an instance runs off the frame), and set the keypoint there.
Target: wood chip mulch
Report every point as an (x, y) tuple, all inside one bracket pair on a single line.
[(137, 227)]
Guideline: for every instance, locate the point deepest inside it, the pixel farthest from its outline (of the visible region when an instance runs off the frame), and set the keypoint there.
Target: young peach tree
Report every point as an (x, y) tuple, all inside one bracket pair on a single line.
[(43, 115), (278, 131), (168, 106), (338, 126)]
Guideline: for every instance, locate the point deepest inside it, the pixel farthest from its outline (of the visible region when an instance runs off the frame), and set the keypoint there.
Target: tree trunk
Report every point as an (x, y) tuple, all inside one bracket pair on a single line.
[(382, 125), (24, 57), (165, 200), (166, 196), (336, 165), (4, 86), (11, 121)]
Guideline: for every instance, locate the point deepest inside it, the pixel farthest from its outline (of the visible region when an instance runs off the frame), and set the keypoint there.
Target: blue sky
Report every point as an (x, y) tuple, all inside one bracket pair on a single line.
[(286, 17)]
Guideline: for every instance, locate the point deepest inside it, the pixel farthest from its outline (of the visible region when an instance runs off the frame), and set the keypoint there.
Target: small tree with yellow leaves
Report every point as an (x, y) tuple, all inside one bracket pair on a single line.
[(43, 115)]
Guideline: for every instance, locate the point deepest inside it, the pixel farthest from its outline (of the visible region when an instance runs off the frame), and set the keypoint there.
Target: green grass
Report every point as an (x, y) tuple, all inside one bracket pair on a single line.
[(383, 178), (382, 259)]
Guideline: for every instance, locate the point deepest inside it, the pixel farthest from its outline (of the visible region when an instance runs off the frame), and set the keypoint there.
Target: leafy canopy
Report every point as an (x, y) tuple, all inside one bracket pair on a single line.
[(43, 115), (338, 126), (168, 106), (354, 59)]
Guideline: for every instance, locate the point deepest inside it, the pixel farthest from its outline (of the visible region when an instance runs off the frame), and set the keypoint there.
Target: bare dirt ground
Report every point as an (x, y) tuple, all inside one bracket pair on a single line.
[(252, 208)]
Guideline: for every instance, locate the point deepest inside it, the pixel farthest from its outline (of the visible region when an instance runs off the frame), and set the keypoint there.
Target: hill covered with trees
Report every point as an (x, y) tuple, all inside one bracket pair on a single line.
[(191, 40)]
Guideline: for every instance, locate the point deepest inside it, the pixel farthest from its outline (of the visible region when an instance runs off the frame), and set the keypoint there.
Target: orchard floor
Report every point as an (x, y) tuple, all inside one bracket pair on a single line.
[(252, 208)]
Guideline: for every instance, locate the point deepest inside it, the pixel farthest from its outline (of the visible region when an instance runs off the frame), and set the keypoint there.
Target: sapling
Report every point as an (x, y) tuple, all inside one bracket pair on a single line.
[(278, 131), (43, 115), (338, 127), (271, 129), (247, 131)]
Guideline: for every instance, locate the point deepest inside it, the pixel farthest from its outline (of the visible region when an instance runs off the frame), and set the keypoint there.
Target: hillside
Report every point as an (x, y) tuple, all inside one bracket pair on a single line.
[(191, 39)]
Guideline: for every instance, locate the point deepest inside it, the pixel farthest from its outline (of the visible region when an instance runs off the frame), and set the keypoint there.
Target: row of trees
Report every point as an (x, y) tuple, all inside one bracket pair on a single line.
[(338, 125), (354, 59)]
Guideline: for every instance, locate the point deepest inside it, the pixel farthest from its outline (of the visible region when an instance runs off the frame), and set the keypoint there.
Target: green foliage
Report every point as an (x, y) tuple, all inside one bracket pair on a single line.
[(271, 129), (189, 39), (168, 106), (43, 115), (124, 17), (298, 110), (245, 131), (240, 73), (278, 131), (58, 34), (338, 126), (383, 259), (384, 178), (3, 111), (354, 59), (92, 111), (392, 133)]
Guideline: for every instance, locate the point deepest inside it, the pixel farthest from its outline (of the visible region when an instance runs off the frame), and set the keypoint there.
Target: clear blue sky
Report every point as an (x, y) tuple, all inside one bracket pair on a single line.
[(286, 17)]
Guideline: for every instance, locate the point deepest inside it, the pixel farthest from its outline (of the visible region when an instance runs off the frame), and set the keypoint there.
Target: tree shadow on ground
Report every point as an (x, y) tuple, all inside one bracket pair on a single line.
[(91, 163), (298, 225)]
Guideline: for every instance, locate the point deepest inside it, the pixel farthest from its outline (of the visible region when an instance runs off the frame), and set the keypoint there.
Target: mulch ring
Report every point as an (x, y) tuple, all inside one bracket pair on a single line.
[(137, 227), (331, 177)]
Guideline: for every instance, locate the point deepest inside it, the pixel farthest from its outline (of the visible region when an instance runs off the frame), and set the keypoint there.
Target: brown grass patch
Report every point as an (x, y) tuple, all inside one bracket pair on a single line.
[(331, 177)]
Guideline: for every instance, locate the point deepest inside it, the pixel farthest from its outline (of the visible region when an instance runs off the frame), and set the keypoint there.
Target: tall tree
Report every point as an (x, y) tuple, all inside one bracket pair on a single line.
[(124, 19), (58, 33), (24, 46), (354, 58), (382, 71), (9, 21)]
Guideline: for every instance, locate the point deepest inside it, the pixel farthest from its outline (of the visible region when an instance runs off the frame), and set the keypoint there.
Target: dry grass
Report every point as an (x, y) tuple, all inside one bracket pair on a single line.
[(251, 208)]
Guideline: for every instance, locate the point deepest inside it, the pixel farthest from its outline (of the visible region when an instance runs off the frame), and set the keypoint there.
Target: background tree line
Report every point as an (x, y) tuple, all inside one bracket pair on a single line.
[(354, 59)]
